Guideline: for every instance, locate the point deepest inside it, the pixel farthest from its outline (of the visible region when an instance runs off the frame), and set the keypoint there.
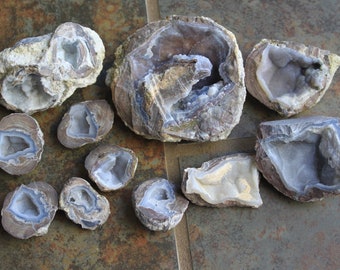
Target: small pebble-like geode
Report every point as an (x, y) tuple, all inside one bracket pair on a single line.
[(21, 143), (179, 79), (85, 122), (41, 72), (158, 205), (300, 157), (111, 167), (83, 205), (29, 210)]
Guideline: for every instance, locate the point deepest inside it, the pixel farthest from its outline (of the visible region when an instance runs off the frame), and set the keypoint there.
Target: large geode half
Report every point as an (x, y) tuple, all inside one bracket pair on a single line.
[(300, 157), (179, 79), (289, 77)]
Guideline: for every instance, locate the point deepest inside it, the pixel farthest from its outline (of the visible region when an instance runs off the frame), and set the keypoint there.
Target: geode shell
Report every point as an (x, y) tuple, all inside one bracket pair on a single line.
[(21, 143), (85, 122), (83, 205), (231, 180), (179, 79), (300, 157), (157, 204), (41, 72), (29, 210), (289, 77), (111, 167)]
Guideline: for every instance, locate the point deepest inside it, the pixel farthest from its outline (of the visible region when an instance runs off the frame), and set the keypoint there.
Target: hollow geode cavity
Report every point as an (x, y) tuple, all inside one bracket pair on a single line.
[(231, 180), (157, 204), (111, 167), (41, 72), (300, 157), (85, 122), (179, 79), (289, 77), (83, 205), (21, 143), (29, 210)]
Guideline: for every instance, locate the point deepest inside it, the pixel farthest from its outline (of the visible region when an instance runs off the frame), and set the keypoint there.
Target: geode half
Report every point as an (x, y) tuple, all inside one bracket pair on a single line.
[(179, 79), (300, 157)]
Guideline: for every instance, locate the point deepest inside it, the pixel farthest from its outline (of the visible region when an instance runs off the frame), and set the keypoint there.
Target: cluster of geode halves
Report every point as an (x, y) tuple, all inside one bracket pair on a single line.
[(177, 79)]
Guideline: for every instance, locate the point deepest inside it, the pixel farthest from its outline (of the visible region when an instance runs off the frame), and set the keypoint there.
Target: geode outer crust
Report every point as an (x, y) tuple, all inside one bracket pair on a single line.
[(299, 157), (179, 79)]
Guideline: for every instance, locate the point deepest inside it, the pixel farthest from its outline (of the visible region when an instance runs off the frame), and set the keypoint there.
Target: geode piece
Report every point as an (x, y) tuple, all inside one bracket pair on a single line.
[(29, 210), (179, 79), (157, 204), (300, 157), (111, 167), (83, 205), (41, 72), (21, 143), (231, 180), (85, 122), (289, 77)]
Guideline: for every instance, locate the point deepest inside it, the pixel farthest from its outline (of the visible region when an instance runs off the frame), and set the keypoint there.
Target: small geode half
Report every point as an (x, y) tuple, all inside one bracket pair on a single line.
[(83, 205), (41, 72), (29, 210), (158, 205), (85, 122), (231, 180), (179, 79), (21, 143), (300, 157), (289, 77), (111, 167)]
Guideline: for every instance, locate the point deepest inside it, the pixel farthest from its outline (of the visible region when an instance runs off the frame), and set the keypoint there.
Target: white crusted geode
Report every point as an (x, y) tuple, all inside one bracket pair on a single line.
[(41, 72), (111, 167), (29, 210), (85, 122), (84, 205), (300, 157), (179, 79), (231, 180), (289, 77), (21, 143), (158, 205)]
